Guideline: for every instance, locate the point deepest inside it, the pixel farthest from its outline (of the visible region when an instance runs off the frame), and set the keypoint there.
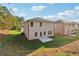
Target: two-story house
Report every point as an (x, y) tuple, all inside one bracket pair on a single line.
[(37, 27), (63, 27)]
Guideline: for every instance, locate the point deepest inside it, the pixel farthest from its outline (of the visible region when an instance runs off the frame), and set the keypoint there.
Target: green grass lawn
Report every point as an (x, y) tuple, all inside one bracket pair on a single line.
[(16, 39), (60, 41), (20, 40), (11, 36)]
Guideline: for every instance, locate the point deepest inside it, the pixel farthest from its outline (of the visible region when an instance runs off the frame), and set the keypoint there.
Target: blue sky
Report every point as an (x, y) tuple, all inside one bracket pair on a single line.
[(51, 11)]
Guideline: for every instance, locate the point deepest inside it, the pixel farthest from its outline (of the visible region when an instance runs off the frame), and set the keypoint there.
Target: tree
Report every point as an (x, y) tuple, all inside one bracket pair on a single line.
[(7, 20)]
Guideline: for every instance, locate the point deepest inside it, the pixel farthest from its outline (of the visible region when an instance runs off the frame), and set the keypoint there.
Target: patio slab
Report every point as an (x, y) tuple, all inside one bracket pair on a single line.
[(45, 39)]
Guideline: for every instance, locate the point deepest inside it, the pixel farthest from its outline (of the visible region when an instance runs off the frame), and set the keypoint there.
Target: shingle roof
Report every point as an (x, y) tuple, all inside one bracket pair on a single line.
[(63, 21), (39, 19)]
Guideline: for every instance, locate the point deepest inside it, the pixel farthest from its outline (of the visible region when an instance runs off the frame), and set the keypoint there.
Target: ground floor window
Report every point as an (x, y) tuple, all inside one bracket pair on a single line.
[(44, 33), (49, 32), (72, 30), (76, 30), (36, 34), (40, 34)]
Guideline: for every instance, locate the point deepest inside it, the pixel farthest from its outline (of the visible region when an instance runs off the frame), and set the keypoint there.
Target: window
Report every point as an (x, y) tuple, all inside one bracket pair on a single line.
[(31, 24), (35, 34), (76, 30), (40, 34), (44, 33), (72, 30), (49, 32), (40, 24)]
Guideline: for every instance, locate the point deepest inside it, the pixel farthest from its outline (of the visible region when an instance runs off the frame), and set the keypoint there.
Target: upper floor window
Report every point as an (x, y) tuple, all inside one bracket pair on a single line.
[(31, 24), (40, 24), (36, 34)]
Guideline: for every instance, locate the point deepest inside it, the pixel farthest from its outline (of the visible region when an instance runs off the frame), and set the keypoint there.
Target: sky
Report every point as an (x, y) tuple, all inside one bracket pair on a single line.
[(51, 11)]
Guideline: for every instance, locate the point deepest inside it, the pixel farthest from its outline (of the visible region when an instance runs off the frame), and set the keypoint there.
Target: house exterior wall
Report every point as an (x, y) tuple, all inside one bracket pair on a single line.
[(46, 26), (59, 29), (76, 28), (69, 29), (55, 28), (26, 29), (64, 28)]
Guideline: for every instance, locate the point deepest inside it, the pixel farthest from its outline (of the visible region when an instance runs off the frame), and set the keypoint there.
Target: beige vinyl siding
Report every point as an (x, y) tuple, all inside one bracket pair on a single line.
[(26, 29), (59, 29), (76, 28), (68, 29), (46, 26)]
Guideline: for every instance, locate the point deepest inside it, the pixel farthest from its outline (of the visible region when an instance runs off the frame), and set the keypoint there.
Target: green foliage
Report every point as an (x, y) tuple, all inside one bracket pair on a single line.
[(7, 20)]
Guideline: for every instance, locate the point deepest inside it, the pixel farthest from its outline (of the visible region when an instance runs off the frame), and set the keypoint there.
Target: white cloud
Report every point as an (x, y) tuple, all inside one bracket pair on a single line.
[(60, 14), (49, 17), (69, 14), (76, 8), (28, 18), (22, 14), (72, 11), (38, 8), (51, 3), (14, 10), (66, 13)]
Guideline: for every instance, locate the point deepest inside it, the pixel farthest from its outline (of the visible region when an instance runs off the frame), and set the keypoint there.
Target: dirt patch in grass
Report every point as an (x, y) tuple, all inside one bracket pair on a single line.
[(71, 49), (44, 52)]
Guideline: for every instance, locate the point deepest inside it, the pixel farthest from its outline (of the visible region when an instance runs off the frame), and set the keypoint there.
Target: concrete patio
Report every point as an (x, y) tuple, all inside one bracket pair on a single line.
[(45, 39)]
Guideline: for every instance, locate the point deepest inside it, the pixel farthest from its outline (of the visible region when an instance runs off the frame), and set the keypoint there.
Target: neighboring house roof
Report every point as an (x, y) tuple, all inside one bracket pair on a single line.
[(65, 21), (39, 19), (75, 23)]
